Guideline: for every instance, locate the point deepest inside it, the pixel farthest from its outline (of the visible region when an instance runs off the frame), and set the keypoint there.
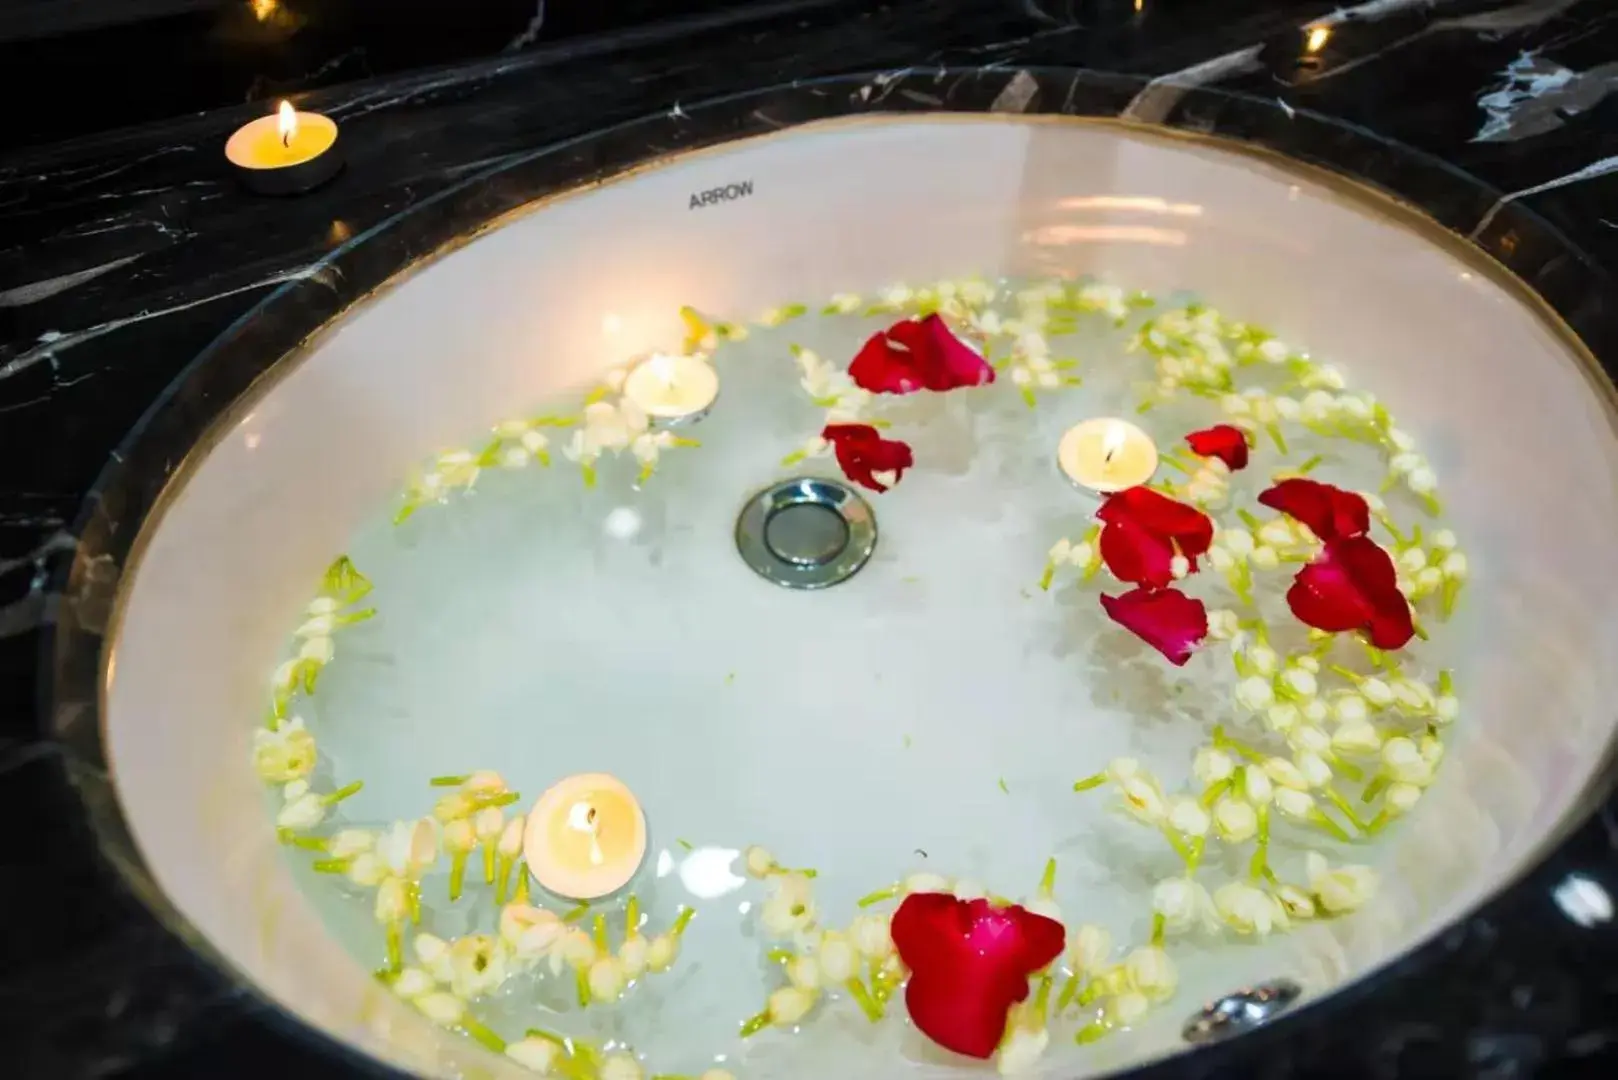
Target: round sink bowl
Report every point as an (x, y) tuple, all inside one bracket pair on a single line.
[(928, 711)]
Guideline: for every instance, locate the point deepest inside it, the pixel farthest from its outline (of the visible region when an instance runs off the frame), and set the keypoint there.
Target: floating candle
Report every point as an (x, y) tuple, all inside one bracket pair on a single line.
[(1107, 455), (285, 154), (585, 837), (672, 388)]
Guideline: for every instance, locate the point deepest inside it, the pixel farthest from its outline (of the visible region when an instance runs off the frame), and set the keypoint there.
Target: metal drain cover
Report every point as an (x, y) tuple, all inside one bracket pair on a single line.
[(1242, 1011), (808, 533)]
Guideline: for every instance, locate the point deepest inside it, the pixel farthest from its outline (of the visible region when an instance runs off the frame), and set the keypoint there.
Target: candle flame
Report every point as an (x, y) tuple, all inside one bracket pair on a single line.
[(1318, 36), (1112, 441), (663, 367), (286, 122), (582, 817)]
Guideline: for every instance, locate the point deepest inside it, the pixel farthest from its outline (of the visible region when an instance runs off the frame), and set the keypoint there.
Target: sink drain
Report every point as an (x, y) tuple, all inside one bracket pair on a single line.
[(807, 533), (1242, 1011)]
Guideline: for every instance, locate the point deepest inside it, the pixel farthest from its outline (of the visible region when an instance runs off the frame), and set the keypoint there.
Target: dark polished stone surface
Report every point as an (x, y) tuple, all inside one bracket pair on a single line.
[(126, 256)]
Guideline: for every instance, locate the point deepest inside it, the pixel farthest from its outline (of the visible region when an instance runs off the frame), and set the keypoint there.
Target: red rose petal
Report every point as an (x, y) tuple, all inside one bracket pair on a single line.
[(1222, 441), (918, 354), (1166, 619), (1353, 586), (1136, 556), (1187, 526), (1329, 512), (962, 1017), (970, 962), (862, 451)]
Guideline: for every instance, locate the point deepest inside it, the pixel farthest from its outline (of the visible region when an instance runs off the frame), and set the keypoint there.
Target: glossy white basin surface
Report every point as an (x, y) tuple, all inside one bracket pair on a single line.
[(937, 701)]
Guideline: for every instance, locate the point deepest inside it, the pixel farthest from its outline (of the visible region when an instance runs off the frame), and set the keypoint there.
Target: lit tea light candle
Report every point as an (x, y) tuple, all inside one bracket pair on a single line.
[(1107, 455), (585, 837), (672, 388), (285, 154)]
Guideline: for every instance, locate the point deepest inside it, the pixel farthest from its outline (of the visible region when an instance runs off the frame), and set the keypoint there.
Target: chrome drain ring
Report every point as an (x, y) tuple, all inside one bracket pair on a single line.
[(806, 533)]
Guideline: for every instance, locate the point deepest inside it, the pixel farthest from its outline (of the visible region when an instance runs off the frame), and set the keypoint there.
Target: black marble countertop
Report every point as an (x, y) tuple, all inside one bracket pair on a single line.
[(124, 254)]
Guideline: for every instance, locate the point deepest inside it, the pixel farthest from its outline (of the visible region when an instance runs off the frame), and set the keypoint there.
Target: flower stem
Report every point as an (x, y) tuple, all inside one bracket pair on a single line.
[(475, 1028), (1348, 811), (488, 862), (1089, 783), (395, 937), (307, 843), (877, 897), (755, 1024), (779, 956), (1047, 880), (681, 921), (1047, 577), (868, 1005), (1373, 789), (632, 915), (1319, 818), (329, 866), (457, 874), (503, 879), (1092, 1031), (1070, 990), (581, 982), (576, 912), (1159, 928), (1259, 866), (448, 781), (344, 792), (521, 895), (600, 932), (1215, 792)]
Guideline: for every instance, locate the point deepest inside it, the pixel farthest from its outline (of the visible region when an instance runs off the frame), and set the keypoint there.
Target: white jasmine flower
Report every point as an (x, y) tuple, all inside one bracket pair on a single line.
[(620, 1065), (968, 889), (1378, 693), (838, 958), (1044, 905), (607, 979), (1187, 816), (1317, 772), (1212, 765), (872, 936), (1293, 803), (1088, 950), (1283, 716), (1248, 910), (412, 982), (788, 1005), (441, 1008), (1342, 889), (1184, 904), (662, 952), (1143, 799), (535, 1054), (1349, 707), (1300, 682), (1256, 785), (477, 966), (1404, 762), (1402, 798), (924, 883), (530, 931), (632, 955), (790, 907), (1234, 820), (1021, 1051), (1151, 973), (301, 808), (1128, 1008), (758, 861), (1285, 773), (1254, 693), (1295, 902), (408, 848), (1264, 661), (1223, 624), (285, 754)]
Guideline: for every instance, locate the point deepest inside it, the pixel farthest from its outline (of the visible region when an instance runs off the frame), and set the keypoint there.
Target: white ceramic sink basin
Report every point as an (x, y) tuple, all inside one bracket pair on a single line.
[(933, 712)]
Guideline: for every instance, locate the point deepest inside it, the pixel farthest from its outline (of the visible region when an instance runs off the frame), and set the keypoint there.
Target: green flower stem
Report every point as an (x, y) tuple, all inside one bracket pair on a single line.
[(805, 871), (1311, 464), (343, 792), (1047, 577), (1179, 848), (1342, 805), (1198, 846), (413, 899), (600, 933), (755, 1024), (1378, 823), (1319, 818), (1373, 789), (521, 895), (632, 915), (1042, 997), (475, 1028), (1091, 992), (549, 1036), (780, 956), (307, 843), (868, 1005), (1159, 929), (1090, 783), (879, 896), (1249, 520), (581, 982), (1070, 990), (1348, 769), (457, 874), (502, 885), (1276, 437), (576, 912), (1091, 1032), (1260, 864), (681, 921), (395, 942), (330, 866), (449, 781), (1215, 792), (1047, 880), (505, 798)]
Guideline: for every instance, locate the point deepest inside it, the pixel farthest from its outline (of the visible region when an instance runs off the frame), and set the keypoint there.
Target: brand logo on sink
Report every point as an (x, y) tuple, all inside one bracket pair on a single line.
[(729, 192)]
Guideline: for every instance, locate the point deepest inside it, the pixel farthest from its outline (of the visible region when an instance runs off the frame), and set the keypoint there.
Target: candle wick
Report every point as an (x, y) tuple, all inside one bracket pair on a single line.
[(1107, 460), (286, 138)]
